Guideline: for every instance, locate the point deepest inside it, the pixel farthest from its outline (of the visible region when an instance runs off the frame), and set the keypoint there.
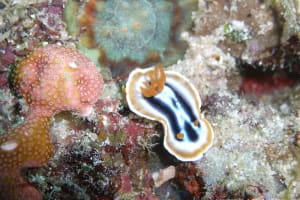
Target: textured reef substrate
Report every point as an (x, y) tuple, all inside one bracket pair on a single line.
[(243, 58)]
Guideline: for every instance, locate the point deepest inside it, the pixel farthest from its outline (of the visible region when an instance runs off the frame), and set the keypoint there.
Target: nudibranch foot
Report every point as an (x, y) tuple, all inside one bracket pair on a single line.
[(168, 97)]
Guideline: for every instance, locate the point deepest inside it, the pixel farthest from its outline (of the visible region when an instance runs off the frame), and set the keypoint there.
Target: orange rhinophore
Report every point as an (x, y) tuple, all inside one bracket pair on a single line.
[(156, 82)]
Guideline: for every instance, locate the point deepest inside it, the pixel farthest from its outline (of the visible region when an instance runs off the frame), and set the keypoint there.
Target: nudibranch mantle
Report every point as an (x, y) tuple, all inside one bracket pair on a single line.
[(168, 97)]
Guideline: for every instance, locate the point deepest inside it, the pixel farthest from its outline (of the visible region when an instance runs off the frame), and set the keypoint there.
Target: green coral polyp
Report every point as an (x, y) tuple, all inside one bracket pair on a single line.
[(131, 33), (133, 29), (236, 31)]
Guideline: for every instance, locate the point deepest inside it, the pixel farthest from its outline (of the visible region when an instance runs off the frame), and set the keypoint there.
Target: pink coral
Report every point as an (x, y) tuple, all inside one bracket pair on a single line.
[(50, 79), (57, 78)]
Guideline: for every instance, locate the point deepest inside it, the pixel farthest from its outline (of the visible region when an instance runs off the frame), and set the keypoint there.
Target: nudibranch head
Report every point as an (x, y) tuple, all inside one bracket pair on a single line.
[(171, 99)]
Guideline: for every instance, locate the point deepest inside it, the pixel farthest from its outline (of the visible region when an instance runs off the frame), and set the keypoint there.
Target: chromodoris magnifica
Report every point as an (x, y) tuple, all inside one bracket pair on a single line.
[(169, 98)]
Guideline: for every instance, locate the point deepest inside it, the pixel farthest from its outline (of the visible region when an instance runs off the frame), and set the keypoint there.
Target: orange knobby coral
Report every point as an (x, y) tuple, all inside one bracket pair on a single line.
[(58, 78), (26, 146), (50, 79)]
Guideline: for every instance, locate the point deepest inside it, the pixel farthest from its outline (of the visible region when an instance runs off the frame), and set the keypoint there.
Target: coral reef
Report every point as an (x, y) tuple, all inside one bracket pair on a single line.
[(254, 33), (190, 178), (255, 136), (289, 11), (129, 39), (246, 27), (124, 33), (25, 25), (236, 48), (28, 145), (51, 79), (102, 163), (163, 175), (56, 78)]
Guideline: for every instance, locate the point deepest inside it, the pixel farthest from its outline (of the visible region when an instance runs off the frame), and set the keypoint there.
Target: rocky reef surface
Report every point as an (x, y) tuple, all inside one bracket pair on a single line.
[(243, 58)]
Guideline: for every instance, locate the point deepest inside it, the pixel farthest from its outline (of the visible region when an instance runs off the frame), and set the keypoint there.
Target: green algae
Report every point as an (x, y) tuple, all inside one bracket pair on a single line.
[(127, 39), (236, 31), (125, 33)]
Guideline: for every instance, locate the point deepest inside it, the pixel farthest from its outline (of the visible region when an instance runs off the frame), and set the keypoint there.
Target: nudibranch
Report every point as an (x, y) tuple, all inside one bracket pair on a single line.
[(169, 98)]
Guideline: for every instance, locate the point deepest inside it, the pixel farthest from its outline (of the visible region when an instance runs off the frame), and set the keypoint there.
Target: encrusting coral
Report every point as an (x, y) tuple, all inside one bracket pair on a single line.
[(124, 33), (57, 78), (50, 79), (27, 145), (127, 38)]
